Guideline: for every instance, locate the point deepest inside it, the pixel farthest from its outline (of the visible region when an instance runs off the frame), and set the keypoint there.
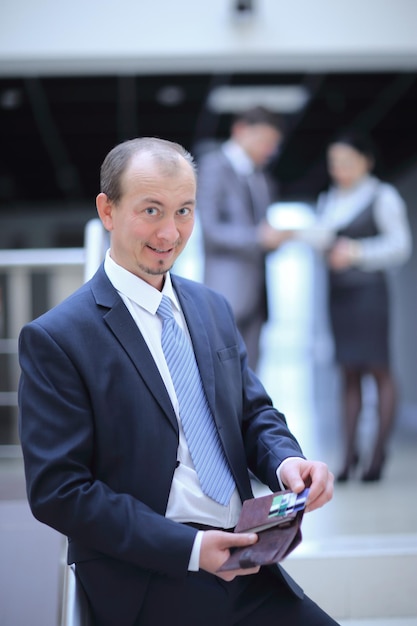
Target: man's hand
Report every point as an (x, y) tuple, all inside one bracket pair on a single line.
[(271, 238), (299, 473), (215, 550)]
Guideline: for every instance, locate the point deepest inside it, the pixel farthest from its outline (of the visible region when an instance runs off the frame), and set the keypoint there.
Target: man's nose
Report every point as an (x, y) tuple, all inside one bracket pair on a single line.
[(168, 229)]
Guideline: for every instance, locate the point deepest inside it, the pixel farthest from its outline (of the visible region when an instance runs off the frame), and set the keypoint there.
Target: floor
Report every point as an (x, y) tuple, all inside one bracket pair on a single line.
[(297, 370), (308, 394)]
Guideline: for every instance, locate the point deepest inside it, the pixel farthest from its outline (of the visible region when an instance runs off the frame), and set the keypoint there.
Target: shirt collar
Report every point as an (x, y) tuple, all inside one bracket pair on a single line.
[(136, 289), (240, 161)]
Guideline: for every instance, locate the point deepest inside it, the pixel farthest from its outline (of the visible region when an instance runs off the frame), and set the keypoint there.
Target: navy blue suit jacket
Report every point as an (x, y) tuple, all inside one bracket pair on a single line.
[(100, 437)]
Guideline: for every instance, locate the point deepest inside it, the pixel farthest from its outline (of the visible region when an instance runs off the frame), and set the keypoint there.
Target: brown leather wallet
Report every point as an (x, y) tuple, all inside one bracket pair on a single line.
[(276, 518)]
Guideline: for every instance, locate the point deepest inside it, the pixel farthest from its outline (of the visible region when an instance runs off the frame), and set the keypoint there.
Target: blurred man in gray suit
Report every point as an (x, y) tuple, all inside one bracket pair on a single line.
[(234, 192)]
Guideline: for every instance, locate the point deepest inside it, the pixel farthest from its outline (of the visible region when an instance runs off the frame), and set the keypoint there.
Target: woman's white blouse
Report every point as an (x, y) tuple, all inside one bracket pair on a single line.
[(336, 208)]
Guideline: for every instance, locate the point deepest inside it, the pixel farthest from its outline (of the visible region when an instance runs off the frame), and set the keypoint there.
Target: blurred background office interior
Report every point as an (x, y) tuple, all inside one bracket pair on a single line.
[(77, 78)]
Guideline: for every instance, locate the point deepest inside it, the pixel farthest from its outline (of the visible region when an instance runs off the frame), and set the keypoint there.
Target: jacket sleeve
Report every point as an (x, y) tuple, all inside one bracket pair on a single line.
[(73, 475), (393, 245)]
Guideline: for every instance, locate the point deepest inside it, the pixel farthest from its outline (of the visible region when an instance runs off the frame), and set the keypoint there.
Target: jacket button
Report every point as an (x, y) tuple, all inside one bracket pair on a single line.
[(177, 464)]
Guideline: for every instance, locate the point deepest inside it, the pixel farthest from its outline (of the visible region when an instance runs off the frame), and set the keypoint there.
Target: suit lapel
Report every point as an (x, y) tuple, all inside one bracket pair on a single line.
[(123, 327), (121, 324)]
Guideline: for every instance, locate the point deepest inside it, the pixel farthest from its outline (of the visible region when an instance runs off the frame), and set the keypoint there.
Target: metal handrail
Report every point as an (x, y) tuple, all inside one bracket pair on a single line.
[(41, 257), (8, 398), (18, 264), (75, 607), (75, 610), (96, 242)]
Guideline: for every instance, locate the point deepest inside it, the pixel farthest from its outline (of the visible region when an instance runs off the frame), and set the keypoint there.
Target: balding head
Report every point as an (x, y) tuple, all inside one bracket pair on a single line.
[(167, 154)]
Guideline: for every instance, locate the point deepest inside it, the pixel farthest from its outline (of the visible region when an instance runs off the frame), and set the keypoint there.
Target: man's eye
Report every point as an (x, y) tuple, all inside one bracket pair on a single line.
[(151, 211), (184, 211)]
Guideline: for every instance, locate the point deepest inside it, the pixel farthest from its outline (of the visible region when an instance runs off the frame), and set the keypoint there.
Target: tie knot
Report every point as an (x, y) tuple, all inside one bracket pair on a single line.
[(165, 309)]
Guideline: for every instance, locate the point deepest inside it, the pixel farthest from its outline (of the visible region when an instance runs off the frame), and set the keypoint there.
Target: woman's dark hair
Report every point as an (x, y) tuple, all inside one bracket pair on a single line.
[(357, 140)]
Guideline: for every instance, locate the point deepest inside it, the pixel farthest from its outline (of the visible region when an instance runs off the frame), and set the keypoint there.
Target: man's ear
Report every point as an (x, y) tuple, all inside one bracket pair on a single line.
[(105, 210)]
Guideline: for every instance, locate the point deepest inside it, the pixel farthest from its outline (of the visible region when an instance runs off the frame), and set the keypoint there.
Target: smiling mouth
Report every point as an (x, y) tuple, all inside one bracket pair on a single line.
[(161, 251)]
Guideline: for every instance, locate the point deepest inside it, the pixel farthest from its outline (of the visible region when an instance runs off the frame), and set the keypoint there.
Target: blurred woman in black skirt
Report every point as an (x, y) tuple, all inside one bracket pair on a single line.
[(363, 231)]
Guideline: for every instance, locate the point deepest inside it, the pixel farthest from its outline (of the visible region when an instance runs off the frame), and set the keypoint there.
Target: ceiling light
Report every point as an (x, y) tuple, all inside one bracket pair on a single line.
[(170, 95), (277, 98), (10, 98)]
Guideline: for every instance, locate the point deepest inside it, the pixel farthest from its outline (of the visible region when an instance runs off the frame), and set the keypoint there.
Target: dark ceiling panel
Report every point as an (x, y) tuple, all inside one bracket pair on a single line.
[(56, 131)]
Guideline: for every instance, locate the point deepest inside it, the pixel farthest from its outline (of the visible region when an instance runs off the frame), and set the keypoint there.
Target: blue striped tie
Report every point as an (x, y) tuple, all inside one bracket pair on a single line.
[(197, 421)]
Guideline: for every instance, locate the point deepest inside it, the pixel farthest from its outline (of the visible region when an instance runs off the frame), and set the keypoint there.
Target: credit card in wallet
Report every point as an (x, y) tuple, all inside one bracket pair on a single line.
[(271, 510)]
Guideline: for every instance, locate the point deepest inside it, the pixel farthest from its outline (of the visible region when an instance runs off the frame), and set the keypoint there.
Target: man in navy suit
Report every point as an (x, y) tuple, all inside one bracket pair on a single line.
[(106, 459)]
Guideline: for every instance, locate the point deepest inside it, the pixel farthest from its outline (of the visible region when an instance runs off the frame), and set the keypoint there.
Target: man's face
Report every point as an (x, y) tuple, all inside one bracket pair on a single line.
[(154, 218), (260, 141)]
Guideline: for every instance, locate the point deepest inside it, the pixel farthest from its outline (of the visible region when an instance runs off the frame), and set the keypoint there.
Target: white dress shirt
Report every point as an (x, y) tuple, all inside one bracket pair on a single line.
[(187, 502), (255, 178), (241, 162)]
